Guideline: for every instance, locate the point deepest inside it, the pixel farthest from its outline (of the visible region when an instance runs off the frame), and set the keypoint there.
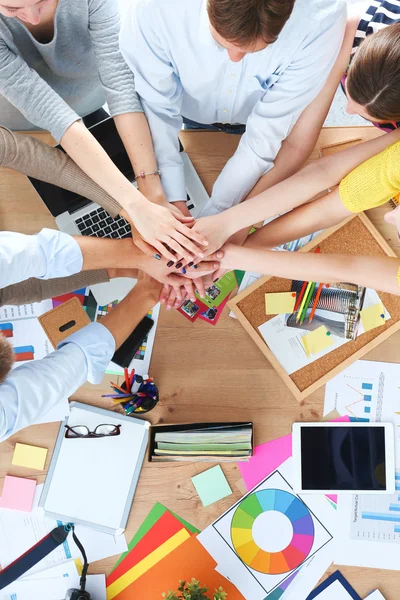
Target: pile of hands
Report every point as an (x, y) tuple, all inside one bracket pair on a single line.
[(183, 254)]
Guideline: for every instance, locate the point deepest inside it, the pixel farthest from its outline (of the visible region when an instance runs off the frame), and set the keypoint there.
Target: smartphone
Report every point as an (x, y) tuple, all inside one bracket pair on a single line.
[(125, 353)]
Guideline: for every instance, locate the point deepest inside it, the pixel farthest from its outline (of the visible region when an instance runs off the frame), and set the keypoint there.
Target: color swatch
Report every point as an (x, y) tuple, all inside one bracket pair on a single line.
[(242, 531)]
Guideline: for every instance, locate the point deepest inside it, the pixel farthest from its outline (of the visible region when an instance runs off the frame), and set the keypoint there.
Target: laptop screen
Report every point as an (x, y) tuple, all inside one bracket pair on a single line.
[(59, 200)]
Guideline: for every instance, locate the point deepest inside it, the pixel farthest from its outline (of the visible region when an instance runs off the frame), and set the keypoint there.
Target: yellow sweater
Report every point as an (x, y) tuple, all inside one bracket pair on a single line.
[(374, 182)]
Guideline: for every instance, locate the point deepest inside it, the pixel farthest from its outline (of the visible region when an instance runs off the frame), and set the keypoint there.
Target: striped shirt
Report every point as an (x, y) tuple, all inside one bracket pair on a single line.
[(379, 14)]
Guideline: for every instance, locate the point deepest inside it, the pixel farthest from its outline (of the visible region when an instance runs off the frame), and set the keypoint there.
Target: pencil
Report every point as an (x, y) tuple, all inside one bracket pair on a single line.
[(116, 395), (321, 285), (128, 385), (117, 387), (299, 312), (307, 302), (131, 377), (300, 296)]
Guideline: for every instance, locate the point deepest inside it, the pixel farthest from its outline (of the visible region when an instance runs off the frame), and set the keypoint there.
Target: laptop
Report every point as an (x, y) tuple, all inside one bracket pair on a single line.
[(77, 215)]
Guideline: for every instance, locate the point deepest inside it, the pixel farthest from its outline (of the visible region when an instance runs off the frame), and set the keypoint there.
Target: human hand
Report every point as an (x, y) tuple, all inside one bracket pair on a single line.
[(215, 230), (166, 231), (393, 217)]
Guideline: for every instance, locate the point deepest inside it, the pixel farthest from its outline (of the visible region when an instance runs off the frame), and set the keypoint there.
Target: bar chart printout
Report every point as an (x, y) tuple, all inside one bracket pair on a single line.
[(377, 518)]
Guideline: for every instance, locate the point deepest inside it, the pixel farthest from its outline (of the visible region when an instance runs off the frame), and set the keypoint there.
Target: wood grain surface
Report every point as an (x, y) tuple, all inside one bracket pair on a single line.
[(204, 373)]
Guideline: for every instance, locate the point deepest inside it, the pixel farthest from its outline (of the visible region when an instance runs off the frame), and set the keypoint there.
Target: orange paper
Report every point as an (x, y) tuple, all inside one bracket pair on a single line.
[(189, 560)]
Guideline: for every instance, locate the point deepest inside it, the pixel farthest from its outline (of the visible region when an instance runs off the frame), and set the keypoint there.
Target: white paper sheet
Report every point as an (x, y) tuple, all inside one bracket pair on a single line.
[(375, 596), (368, 532), (249, 278), (19, 531), (285, 342), (25, 311), (217, 540), (370, 391), (335, 591)]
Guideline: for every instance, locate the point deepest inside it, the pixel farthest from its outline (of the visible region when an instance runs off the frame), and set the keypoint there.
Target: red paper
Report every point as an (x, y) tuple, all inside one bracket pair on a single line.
[(166, 526)]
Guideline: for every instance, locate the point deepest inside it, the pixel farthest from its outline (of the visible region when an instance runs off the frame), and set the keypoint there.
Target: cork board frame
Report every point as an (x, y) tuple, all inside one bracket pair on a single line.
[(354, 236)]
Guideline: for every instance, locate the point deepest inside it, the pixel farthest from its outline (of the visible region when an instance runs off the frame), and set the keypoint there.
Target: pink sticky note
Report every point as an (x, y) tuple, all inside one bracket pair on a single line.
[(268, 457), (18, 493)]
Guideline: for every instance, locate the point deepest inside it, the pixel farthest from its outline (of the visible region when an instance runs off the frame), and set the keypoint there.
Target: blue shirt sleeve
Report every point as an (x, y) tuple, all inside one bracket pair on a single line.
[(46, 255), (32, 389)]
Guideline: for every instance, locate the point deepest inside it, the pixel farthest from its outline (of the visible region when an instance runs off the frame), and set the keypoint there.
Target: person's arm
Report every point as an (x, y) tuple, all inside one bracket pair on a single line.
[(160, 91), (301, 141), (274, 116), (376, 272), (119, 87), (313, 179), (32, 389)]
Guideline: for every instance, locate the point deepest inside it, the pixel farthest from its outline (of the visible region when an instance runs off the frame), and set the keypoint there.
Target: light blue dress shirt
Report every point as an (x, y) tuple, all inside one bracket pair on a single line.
[(32, 389), (180, 70)]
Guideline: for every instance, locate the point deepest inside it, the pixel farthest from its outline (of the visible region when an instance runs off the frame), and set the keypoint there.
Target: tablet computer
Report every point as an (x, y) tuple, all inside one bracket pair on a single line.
[(344, 458)]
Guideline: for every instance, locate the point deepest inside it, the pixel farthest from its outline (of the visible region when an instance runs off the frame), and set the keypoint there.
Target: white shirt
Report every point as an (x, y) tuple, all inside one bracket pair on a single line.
[(32, 389), (180, 70)]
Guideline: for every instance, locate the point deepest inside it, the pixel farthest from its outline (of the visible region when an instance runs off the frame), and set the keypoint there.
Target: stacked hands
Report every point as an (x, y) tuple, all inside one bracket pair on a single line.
[(188, 252)]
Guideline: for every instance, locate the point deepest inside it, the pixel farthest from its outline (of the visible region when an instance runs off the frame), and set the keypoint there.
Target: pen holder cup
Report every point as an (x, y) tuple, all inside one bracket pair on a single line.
[(144, 404)]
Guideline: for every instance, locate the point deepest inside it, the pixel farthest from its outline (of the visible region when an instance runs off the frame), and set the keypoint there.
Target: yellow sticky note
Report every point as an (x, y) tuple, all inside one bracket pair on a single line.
[(317, 340), (30, 457), (373, 316), (280, 303)]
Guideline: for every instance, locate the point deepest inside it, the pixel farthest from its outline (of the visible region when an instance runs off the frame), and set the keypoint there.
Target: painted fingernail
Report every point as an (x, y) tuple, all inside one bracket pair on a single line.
[(178, 265), (157, 256), (170, 263), (194, 266), (183, 271), (190, 264), (215, 280)]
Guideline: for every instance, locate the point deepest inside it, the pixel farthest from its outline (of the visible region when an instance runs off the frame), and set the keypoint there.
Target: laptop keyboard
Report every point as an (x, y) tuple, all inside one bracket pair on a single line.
[(100, 224)]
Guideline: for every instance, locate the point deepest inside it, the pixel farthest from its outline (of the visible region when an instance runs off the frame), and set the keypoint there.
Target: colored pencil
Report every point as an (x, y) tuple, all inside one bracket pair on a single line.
[(131, 377), (307, 302), (116, 395), (117, 387), (321, 285), (300, 296), (299, 312), (127, 382)]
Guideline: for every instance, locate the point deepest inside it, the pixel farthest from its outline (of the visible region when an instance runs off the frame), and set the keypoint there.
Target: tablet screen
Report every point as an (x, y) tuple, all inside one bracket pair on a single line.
[(343, 458)]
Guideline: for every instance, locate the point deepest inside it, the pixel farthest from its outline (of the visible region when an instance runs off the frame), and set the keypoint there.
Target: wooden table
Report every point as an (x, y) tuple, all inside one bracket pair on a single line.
[(204, 373)]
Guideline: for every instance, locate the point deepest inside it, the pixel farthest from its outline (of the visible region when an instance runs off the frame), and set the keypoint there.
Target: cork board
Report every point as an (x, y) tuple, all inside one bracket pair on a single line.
[(355, 236)]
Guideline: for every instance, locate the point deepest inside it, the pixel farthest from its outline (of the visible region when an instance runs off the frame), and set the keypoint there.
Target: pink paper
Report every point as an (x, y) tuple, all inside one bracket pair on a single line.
[(18, 493), (268, 457)]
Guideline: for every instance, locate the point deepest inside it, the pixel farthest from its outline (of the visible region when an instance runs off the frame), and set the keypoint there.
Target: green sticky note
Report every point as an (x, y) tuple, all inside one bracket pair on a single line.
[(211, 485), (218, 291)]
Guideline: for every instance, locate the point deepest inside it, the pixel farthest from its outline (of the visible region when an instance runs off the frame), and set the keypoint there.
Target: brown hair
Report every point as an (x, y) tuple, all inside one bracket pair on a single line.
[(374, 75), (245, 21), (6, 358)]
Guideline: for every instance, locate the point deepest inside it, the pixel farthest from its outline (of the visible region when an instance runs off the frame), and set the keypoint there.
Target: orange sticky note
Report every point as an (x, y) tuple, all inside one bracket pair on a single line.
[(189, 560)]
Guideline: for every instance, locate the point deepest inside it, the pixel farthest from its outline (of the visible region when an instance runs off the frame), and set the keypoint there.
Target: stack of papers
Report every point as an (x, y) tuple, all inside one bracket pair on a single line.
[(164, 551), (211, 444)]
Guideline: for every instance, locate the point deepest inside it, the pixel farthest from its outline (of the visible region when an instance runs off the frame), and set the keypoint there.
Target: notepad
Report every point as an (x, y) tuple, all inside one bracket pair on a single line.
[(373, 316), (211, 485), (317, 340), (18, 493), (30, 457), (280, 303)]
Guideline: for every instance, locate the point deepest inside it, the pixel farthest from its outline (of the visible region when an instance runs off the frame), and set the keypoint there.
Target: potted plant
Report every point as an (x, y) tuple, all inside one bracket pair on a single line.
[(194, 591)]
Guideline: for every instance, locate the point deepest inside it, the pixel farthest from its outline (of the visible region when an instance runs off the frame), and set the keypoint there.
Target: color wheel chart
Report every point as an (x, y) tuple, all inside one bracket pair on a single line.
[(283, 518)]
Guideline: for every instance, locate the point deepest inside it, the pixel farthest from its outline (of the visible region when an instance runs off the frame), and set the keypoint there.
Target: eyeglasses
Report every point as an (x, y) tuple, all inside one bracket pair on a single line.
[(81, 431)]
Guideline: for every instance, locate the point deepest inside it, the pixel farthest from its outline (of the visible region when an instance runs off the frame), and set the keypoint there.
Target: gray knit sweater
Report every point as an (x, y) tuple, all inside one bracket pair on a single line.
[(49, 85)]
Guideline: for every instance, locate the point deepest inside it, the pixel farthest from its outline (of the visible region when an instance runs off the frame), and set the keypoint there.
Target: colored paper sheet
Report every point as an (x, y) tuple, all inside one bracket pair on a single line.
[(154, 515), (30, 457), (189, 560), (146, 564), (317, 340), (212, 315), (211, 485), (220, 290), (268, 457), (280, 303), (166, 526), (373, 316), (18, 493)]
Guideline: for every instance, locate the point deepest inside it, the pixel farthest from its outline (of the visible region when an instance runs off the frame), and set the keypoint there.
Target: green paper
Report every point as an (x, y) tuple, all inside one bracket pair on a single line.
[(154, 515), (239, 276), (211, 485), (217, 292)]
